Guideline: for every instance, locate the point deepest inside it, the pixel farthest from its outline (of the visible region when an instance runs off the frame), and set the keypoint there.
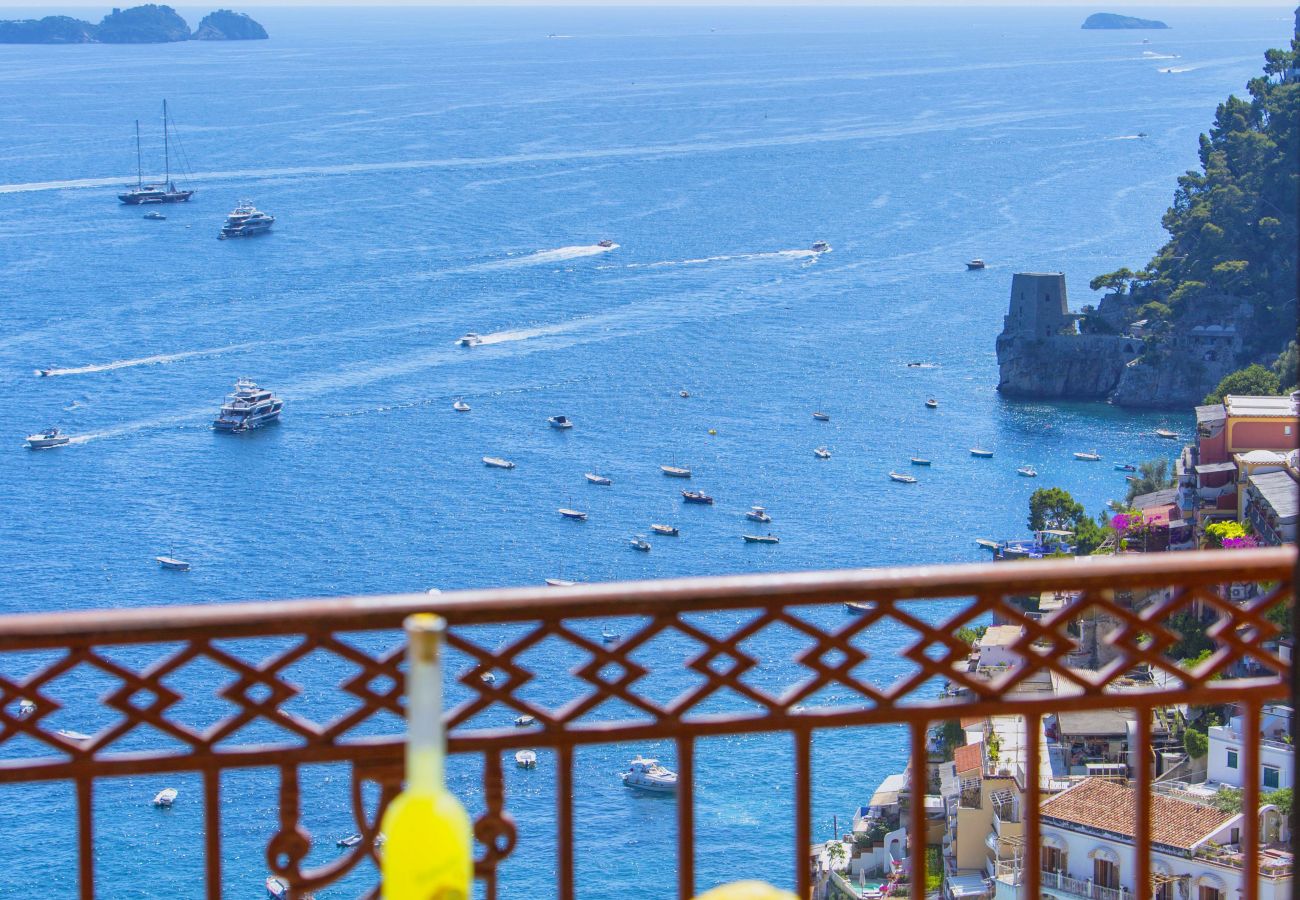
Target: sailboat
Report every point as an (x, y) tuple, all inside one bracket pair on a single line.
[(166, 192)]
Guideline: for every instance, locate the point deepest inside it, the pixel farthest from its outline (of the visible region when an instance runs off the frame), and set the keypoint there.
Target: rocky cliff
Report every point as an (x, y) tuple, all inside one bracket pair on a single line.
[(224, 25), (50, 30), (1111, 20), (149, 24)]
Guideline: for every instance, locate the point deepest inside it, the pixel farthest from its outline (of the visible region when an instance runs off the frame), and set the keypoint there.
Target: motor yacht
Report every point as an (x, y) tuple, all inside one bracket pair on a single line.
[(669, 530), (573, 514), (245, 221), (276, 889), (640, 543), (248, 407), (470, 339), (496, 462), (758, 514), (761, 539), (44, 440), (526, 759), (598, 479), (697, 497), (648, 775), (905, 479), (675, 471), (975, 264), (1027, 471), (165, 798), (460, 406), (821, 453), (1094, 456), (560, 422), (820, 247)]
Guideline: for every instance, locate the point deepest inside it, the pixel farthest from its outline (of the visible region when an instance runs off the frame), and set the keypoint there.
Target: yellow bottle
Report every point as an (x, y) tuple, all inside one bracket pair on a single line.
[(427, 853)]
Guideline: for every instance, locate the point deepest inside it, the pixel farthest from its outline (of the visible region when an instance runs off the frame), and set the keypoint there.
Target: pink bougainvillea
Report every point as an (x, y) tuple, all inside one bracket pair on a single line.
[(1240, 543)]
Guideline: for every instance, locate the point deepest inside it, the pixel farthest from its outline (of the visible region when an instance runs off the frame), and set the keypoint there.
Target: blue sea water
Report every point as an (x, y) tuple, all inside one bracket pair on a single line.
[(437, 171)]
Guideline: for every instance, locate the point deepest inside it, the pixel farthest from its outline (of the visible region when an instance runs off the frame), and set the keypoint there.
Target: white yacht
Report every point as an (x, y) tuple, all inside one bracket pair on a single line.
[(1027, 471), (460, 406), (496, 462), (246, 221), (526, 759), (248, 407), (1094, 456), (50, 437), (470, 339), (165, 798), (821, 247), (758, 514), (648, 775)]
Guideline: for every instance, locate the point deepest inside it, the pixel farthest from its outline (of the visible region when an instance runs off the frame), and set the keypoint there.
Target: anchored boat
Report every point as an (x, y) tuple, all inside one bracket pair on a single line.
[(248, 407), (245, 221), (905, 479), (167, 192), (675, 471), (697, 497), (648, 775), (496, 462), (761, 539)]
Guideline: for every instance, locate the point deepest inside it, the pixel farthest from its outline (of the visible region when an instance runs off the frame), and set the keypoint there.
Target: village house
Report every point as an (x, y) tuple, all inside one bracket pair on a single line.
[(1276, 754)]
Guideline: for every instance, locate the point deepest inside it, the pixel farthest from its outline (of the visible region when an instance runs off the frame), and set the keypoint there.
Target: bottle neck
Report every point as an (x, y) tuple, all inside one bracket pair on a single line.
[(425, 740)]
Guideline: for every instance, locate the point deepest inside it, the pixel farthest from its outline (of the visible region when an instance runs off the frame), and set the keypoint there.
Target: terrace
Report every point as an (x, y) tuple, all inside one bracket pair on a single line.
[(704, 626)]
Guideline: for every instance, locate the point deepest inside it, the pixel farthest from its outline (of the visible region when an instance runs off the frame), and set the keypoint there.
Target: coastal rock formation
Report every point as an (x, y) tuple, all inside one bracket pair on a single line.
[(224, 25), (149, 24), (1111, 20)]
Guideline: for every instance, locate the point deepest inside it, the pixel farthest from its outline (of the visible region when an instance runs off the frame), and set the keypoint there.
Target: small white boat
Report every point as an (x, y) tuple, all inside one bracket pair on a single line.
[(169, 562), (974, 264), (573, 514), (608, 636), (821, 453), (50, 437), (675, 471), (639, 543), (858, 608), (524, 721), (1167, 434), (460, 406), (683, 394), (350, 841), (25, 708), (497, 462), (648, 775), (669, 530), (166, 797), (1094, 456), (276, 889), (982, 454), (560, 422), (820, 247), (526, 759), (821, 416), (470, 339), (560, 582), (488, 678), (758, 514), (761, 539), (1027, 471), (71, 735), (598, 479), (905, 479), (987, 544), (155, 216), (931, 403)]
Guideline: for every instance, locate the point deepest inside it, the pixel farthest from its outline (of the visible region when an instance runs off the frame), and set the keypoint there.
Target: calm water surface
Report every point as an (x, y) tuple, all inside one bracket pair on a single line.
[(440, 171)]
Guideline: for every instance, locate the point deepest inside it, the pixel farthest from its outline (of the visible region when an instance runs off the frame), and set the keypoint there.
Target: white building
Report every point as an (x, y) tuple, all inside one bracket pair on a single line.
[(1087, 849), (995, 646), (1276, 757)]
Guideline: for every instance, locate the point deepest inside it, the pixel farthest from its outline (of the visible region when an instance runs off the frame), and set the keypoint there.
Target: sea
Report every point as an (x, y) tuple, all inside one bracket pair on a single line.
[(436, 171)]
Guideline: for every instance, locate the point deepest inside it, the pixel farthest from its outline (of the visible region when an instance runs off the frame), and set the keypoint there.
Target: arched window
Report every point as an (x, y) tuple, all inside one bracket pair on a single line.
[(1105, 867)]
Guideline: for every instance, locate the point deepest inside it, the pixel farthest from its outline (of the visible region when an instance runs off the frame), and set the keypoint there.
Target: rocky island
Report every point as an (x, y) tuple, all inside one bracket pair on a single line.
[(148, 24), (1111, 20)]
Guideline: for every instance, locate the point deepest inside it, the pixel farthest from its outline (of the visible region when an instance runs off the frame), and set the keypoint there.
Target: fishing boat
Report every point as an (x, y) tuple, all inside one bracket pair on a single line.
[(987, 544), (155, 216), (246, 221), (165, 798), (648, 775), (905, 479), (44, 440), (931, 403), (758, 514), (496, 462), (669, 530), (697, 497), (524, 721), (821, 453), (560, 582), (171, 562), (248, 407), (597, 479), (526, 759), (1167, 434), (1094, 456), (975, 264), (1125, 467), (982, 454), (821, 416), (1027, 471), (919, 461), (761, 539), (166, 192), (820, 247), (639, 543), (573, 514), (675, 471), (460, 406), (470, 339), (560, 422)]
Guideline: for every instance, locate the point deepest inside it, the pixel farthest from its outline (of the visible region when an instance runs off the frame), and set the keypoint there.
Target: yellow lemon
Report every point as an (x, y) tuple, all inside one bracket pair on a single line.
[(746, 890)]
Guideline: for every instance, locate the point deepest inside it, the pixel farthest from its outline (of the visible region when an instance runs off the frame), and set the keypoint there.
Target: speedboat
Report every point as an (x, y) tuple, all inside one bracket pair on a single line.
[(246, 221), (761, 539), (155, 216), (597, 479), (166, 797), (1027, 471), (44, 440), (697, 497), (560, 582), (526, 759), (496, 462), (248, 407), (982, 454), (606, 243), (470, 339), (276, 889), (1167, 434), (905, 479), (821, 416), (350, 841), (974, 264), (1125, 467), (648, 775), (669, 530), (932, 403), (639, 543), (560, 422), (573, 514), (920, 461), (524, 721), (821, 453), (1094, 456), (169, 562), (460, 406), (758, 514), (675, 471), (820, 247)]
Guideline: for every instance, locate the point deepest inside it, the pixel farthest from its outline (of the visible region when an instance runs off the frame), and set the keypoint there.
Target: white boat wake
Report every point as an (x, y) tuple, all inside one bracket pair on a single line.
[(772, 254), (541, 257), (157, 359)]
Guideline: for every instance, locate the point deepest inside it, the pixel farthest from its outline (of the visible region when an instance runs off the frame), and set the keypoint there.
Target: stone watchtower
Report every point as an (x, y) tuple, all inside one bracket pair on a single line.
[(1038, 307)]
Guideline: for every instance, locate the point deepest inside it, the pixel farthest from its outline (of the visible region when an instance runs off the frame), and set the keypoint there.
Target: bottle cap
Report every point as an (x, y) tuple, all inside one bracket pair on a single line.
[(424, 633)]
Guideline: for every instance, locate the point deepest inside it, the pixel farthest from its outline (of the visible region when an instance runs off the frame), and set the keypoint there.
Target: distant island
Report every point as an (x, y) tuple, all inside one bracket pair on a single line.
[(1111, 20), (148, 24)]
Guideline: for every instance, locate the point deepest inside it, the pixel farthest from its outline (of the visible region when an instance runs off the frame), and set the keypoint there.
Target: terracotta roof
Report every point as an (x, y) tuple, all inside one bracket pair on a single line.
[(972, 721), (968, 756), (1098, 803)]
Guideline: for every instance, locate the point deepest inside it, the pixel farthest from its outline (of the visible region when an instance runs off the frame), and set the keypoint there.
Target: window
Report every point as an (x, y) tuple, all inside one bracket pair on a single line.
[(1105, 873), (1272, 777), (1209, 893), (1053, 859), (1232, 759), (1286, 429), (1165, 891)]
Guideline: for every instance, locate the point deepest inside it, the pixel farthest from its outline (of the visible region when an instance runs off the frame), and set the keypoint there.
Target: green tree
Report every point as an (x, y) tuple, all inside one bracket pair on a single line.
[(1089, 534), (1226, 799), (971, 633), (1196, 744), (1193, 646), (1285, 367), (1117, 281), (1153, 475), (1252, 381), (1281, 798), (1054, 508)]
